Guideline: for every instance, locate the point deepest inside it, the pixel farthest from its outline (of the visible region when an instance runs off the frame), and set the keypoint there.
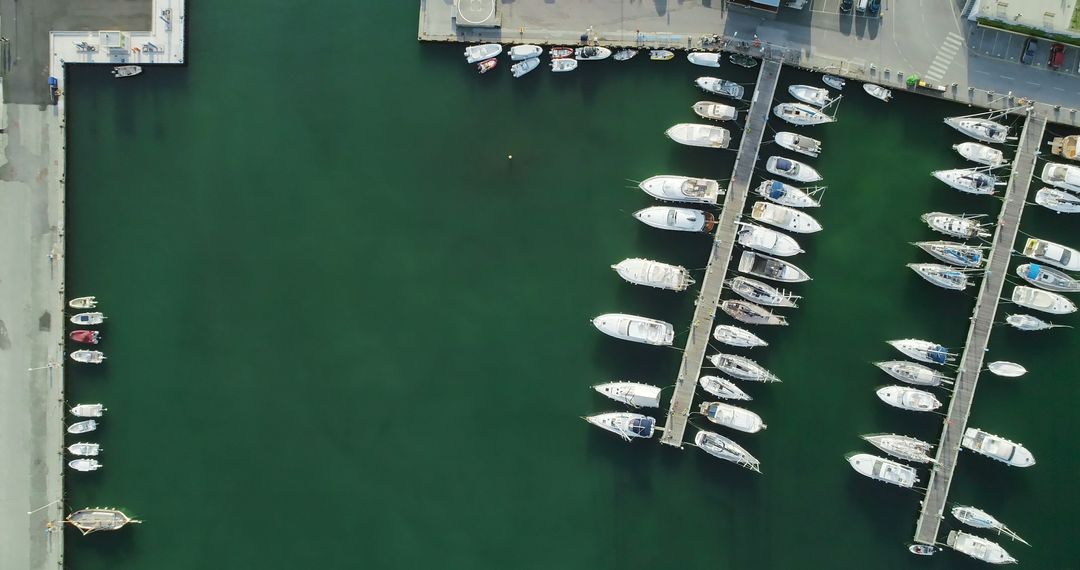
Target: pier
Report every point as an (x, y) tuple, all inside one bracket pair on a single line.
[(971, 363), (720, 255)]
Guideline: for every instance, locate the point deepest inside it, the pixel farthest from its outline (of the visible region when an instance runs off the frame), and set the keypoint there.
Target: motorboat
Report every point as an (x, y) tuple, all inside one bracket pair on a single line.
[(742, 60), (877, 91), (792, 169), (761, 293), (486, 65), (122, 71), (88, 356), (633, 394), (654, 274), (478, 53), (742, 368), (735, 336), (84, 449), (624, 54), (562, 64), (525, 51), (833, 81), (720, 87), (626, 425), (1064, 176), (801, 114), (787, 195), (979, 129), (83, 302), (88, 410), (635, 328), (955, 226), (980, 153), (1048, 278), (816, 96), (801, 144), (923, 549), (1029, 323), (715, 111), (954, 253), (923, 350), (902, 446), (1007, 369), (881, 469), (1065, 147), (944, 276), (523, 67), (84, 465), (704, 59), (677, 219), (722, 388), (561, 52), (784, 217), (98, 519), (682, 189), (968, 180), (1054, 254), (978, 548), (1058, 200), (85, 336), (721, 447), (733, 417), (766, 240), (693, 134), (88, 319), (661, 55), (978, 518), (997, 448), (910, 399), (84, 426), (751, 314), (1045, 301), (591, 53), (913, 373), (761, 265)]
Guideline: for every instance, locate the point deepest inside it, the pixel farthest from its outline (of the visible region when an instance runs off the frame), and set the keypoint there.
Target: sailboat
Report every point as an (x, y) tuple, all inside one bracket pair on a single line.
[(980, 153), (98, 519), (633, 394), (954, 253), (787, 195), (943, 276), (721, 447), (979, 518), (751, 314), (910, 399), (913, 373), (722, 388), (983, 130), (733, 417), (881, 469), (997, 448), (761, 292), (742, 368), (963, 227), (1059, 201), (1048, 278), (978, 548), (901, 446), (626, 425), (923, 350), (735, 336), (1029, 323)]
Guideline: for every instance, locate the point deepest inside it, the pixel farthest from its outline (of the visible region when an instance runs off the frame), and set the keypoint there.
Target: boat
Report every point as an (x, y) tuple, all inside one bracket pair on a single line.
[(523, 67), (682, 189), (1047, 278), (678, 219), (122, 71), (1065, 146), (635, 328), (802, 114), (761, 265), (525, 51), (735, 336), (1064, 176), (798, 143), (561, 52), (85, 449), (486, 65), (979, 129), (624, 54), (881, 469), (88, 356), (661, 54), (693, 134), (978, 518), (1029, 323), (980, 153), (923, 350), (1052, 253), (877, 91), (85, 336), (591, 53), (560, 65), (1032, 298), (953, 225), (910, 399), (833, 81), (84, 465), (1007, 369), (715, 111), (720, 87), (82, 427), (792, 169), (913, 373), (478, 53), (943, 276), (767, 240), (742, 368), (704, 59), (654, 274), (784, 217), (954, 253), (742, 60), (922, 549), (722, 388), (978, 548), (626, 425), (997, 448), (88, 410), (632, 394), (83, 302), (88, 319), (98, 519), (967, 180), (761, 293), (1058, 200), (721, 447), (751, 314), (733, 417), (787, 195), (816, 96), (902, 446)]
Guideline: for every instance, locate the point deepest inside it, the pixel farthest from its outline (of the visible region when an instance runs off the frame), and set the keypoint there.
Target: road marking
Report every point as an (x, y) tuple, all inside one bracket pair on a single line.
[(1035, 84), (1058, 89), (982, 72), (940, 64), (1007, 77)]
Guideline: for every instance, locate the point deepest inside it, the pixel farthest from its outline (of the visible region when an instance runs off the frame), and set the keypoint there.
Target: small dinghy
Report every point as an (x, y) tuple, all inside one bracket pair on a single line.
[(654, 274), (561, 52), (661, 55), (801, 114), (524, 52), (742, 60), (1058, 200), (84, 449), (923, 350), (88, 410), (943, 276), (704, 59), (624, 54), (922, 549), (742, 368), (954, 226), (980, 153), (954, 253), (715, 111), (735, 336), (722, 388), (1047, 278), (632, 394), (978, 548), (1052, 253), (997, 448), (968, 180), (877, 91), (761, 293), (979, 129), (561, 65), (88, 319), (720, 87), (88, 356), (913, 373), (85, 336), (784, 218), (792, 169), (910, 399), (83, 302), (84, 465), (1064, 176), (767, 240), (486, 65), (1045, 301), (1007, 369), (751, 314), (625, 424), (760, 265), (733, 417), (902, 447), (833, 81), (476, 54), (798, 143), (635, 328), (523, 67), (682, 189), (787, 195), (677, 219), (591, 53), (82, 427), (816, 96), (694, 134), (122, 71), (979, 518), (881, 469), (1029, 323), (721, 447)]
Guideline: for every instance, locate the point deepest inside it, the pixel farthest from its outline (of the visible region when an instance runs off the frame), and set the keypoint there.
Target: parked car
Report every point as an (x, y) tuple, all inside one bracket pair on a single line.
[(1030, 47), (1057, 56), (845, 5)]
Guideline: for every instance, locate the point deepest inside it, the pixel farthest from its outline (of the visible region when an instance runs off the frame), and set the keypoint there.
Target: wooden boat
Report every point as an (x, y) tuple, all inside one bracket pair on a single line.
[(83, 302), (877, 91), (1007, 369), (122, 71), (98, 519), (661, 55), (751, 314), (742, 60), (561, 52), (1065, 146), (85, 336), (487, 65), (624, 54)]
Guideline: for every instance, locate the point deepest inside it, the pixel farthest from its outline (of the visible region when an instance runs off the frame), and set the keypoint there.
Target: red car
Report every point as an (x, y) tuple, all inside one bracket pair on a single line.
[(1057, 56)]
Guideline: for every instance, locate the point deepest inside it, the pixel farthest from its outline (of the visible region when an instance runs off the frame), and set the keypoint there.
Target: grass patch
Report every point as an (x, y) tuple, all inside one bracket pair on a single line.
[(1074, 23), (1028, 31)]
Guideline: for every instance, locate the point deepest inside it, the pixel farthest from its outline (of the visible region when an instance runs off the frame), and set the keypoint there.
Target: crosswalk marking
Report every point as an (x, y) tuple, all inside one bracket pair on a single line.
[(950, 46)]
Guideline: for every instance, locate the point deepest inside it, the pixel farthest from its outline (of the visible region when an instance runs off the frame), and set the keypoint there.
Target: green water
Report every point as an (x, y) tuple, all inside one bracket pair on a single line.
[(346, 331)]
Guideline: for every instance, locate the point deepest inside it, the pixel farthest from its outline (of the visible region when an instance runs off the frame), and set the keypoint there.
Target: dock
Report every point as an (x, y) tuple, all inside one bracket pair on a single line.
[(982, 320), (720, 255)]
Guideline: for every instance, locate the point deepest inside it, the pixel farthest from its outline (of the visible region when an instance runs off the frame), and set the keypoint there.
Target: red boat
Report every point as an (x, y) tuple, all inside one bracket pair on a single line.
[(85, 337), (487, 65), (559, 52)]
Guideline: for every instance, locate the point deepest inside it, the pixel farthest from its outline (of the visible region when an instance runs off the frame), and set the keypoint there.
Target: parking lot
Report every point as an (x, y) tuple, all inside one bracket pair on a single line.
[(833, 7), (987, 42)]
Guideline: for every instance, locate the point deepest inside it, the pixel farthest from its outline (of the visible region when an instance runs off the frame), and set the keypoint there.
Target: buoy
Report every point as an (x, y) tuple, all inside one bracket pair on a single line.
[(509, 157)]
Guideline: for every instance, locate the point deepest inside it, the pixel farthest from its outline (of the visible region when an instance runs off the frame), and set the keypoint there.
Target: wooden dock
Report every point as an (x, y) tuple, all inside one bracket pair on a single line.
[(971, 363), (720, 255)]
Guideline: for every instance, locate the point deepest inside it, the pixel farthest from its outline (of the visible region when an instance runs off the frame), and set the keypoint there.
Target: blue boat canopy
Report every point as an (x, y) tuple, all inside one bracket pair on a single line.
[(777, 190), (783, 164), (1033, 270), (642, 426), (938, 354)]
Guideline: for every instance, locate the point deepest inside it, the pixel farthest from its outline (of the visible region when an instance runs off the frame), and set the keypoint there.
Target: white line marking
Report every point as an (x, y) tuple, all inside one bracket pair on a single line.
[(982, 72), (949, 50), (1035, 84), (1007, 77), (938, 69), (1058, 89)]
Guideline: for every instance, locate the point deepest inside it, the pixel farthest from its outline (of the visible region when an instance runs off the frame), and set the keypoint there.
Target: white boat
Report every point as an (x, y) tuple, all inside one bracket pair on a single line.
[(122, 71), (82, 427), (955, 226), (722, 388), (694, 134), (591, 53), (721, 447), (88, 319), (1064, 176), (798, 143), (902, 446), (923, 350), (1032, 298), (761, 293), (802, 114), (742, 368), (654, 274), (881, 469), (771, 268), (1047, 278), (681, 189), (784, 217), (910, 399), (84, 465), (83, 302), (751, 314), (88, 356), (944, 276), (704, 59), (88, 410), (978, 518), (523, 67), (997, 448), (661, 55), (720, 87), (631, 393), (624, 54), (560, 65), (677, 219), (978, 548), (913, 373), (625, 424), (715, 111), (1007, 369), (980, 153), (733, 417), (833, 81), (954, 253), (877, 91), (85, 449), (968, 180), (99, 519), (635, 328), (979, 129), (767, 240), (735, 336), (1029, 323), (1058, 200), (923, 549), (787, 195), (1052, 253), (792, 169), (816, 96), (478, 53), (525, 51)]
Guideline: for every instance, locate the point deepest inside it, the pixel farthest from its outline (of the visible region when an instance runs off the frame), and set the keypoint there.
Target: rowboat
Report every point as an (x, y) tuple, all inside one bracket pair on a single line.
[(661, 55), (1007, 369)]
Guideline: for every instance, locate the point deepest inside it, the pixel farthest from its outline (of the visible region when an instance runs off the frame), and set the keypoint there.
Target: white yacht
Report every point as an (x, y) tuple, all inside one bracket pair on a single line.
[(734, 336), (84, 426), (833, 81), (784, 218), (978, 548), (523, 67), (84, 465), (760, 265), (1064, 176), (877, 91), (721, 447), (923, 350), (943, 276), (1045, 301), (1052, 253), (88, 410), (1029, 323), (654, 274), (678, 219), (997, 448), (1058, 200), (733, 417), (474, 54), (722, 388), (83, 302), (767, 240), (1047, 278), (968, 180), (742, 368), (788, 195), (88, 319), (525, 51), (801, 114), (980, 153), (88, 356), (913, 373), (1006, 369), (816, 96), (719, 86), (978, 518), (901, 446), (693, 134), (635, 328), (761, 292), (84, 449), (798, 143), (954, 253), (591, 53), (751, 314), (715, 111), (910, 399), (954, 226), (562, 64), (681, 189), (626, 425), (792, 169), (979, 129), (633, 394), (704, 59), (881, 469)]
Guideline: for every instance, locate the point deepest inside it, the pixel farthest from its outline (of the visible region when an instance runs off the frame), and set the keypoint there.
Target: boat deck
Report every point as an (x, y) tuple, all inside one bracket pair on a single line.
[(971, 363), (720, 256)]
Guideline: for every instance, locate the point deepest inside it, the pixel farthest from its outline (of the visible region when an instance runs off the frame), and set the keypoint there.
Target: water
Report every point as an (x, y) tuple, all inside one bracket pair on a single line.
[(345, 329)]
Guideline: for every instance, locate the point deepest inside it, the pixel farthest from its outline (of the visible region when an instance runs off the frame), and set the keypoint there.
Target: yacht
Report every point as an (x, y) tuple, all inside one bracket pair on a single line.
[(88, 356), (732, 416), (635, 328), (881, 469), (923, 350), (792, 169), (122, 71), (85, 449), (98, 519), (766, 240), (88, 319), (913, 373), (1047, 278), (816, 96), (801, 114), (525, 51), (751, 314), (1032, 298), (1064, 176), (626, 425), (997, 448), (978, 548), (84, 464), (654, 274), (735, 336), (719, 446), (722, 388), (693, 134), (476, 54), (980, 153), (1006, 369), (84, 426), (968, 180), (1028, 323), (704, 59), (624, 54), (762, 293), (88, 410), (562, 64), (954, 226), (661, 55), (902, 446), (978, 518), (979, 129), (1054, 254), (833, 81), (798, 143), (784, 218), (681, 189), (910, 399), (719, 86), (1058, 200), (877, 91), (943, 276), (632, 394), (787, 195), (678, 219), (523, 67), (715, 111), (83, 302), (771, 268), (954, 253), (742, 368), (591, 53)]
